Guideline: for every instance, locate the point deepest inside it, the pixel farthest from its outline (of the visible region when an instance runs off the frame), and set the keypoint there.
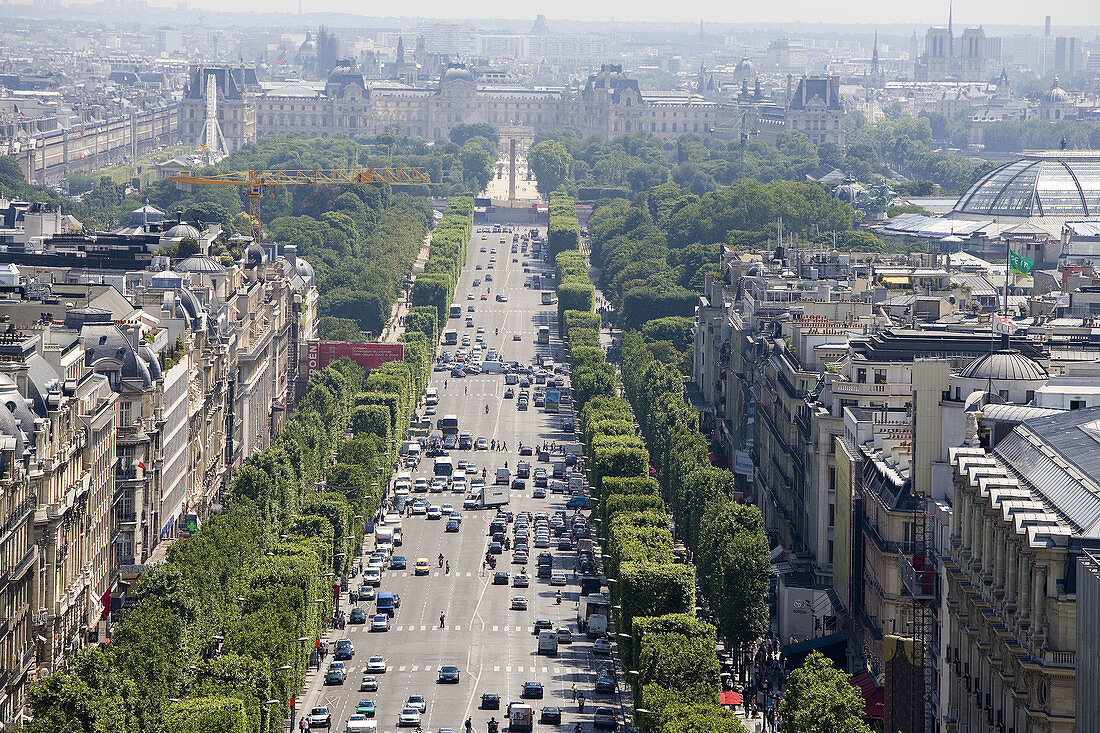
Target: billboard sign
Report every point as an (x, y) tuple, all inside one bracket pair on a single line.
[(367, 354)]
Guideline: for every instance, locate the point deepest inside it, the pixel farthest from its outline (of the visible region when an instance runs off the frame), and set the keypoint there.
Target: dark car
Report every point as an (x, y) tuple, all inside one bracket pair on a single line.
[(544, 571), (532, 690), (519, 484), (545, 558), (458, 372), (500, 577), (523, 469), (526, 450), (540, 477), (543, 624), (490, 701), (522, 405), (605, 684), (452, 526), (358, 616), (551, 714), (495, 548), (448, 673), (565, 544), (397, 563), (344, 649)]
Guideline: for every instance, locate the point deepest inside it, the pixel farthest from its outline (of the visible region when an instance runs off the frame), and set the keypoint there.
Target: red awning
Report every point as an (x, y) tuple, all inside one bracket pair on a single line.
[(874, 699), (730, 698)]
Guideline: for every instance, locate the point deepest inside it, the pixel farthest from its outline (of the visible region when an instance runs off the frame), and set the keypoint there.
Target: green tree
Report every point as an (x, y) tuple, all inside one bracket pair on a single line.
[(550, 162), (821, 699), (477, 166), (465, 131)]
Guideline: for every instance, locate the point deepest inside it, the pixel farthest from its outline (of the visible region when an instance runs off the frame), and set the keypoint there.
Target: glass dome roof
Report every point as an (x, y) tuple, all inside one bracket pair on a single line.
[(1064, 183)]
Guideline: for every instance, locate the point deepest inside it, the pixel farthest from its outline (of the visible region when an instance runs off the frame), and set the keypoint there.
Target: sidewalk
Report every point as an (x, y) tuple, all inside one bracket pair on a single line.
[(394, 327)]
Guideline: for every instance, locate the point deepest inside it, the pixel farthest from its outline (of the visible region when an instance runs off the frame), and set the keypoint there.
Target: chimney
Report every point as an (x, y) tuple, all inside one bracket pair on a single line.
[(290, 252)]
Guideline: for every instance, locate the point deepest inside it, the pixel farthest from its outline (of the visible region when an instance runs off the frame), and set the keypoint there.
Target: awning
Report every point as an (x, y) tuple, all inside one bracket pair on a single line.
[(730, 698), (833, 646), (874, 699)]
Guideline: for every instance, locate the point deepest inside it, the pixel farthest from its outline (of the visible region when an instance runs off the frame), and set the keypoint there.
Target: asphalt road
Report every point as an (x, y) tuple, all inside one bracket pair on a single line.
[(494, 647)]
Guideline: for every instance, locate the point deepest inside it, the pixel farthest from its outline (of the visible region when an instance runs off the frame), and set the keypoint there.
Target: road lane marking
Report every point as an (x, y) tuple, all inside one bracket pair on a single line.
[(401, 668), (496, 668)]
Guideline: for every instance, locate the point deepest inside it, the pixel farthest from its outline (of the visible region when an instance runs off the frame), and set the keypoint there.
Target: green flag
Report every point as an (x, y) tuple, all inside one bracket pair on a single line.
[(1019, 263)]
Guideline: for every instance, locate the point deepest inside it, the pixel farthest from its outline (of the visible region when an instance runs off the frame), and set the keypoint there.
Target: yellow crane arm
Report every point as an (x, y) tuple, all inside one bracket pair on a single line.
[(304, 178), (256, 181)]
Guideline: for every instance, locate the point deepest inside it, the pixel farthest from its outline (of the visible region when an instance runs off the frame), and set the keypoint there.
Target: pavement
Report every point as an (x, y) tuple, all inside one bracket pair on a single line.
[(494, 647)]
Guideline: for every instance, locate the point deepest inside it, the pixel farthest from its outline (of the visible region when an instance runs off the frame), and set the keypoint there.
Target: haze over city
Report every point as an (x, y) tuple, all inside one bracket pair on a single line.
[(491, 367)]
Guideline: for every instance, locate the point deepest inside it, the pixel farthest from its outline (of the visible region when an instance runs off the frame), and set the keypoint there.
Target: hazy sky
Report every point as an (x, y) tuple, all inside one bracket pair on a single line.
[(1065, 13)]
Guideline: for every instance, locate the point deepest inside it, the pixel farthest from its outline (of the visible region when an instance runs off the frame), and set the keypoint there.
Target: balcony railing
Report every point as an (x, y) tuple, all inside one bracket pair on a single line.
[(28, 658), (919, 582), (126, 517)]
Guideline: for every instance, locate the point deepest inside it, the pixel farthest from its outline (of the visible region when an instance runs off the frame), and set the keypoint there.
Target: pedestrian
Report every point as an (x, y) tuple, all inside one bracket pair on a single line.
[(448, 570), (505, 446), (442, 620), (574, 691)]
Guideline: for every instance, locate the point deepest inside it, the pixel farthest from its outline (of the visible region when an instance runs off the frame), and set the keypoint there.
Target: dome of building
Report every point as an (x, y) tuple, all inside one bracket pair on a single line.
[(305, 271), (744, 71), (183, 231), (1056, 95), (1063, 183), (199, 263), (1005, 364), (457, 72)]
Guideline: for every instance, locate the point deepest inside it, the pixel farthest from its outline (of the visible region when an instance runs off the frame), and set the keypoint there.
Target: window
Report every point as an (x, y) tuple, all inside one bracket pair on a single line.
[(124, 414), (832, 515), (861, 376), (1077, 404), (880, 376)]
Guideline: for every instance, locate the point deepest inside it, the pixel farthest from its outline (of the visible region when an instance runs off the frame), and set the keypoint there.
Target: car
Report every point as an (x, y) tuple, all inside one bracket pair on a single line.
[(469, 296), (470, 308), (489, 277), (357, 722), (539, 493), (372, 576), (521, 581), (565, 636), (490, 701), (551, 714), (564, 543), (604, 717), (522, 404), (380, 622), (319, 717), (448, 673), (409, 717), (519, 603), (452, 526), (532, 690), (478, 267), (366, 592), (456, 516), (557, 579), (500, 577), (483, 295), (419, 507), (418, 702), (509, 393), (542, 540), (435, 512), (502, 298), (602, 647), (481, 444), (519, 557), (358, 615), (540, 477), (477, 282), (397, 563), (344, 649), (544, 571), (605, 683), (365, 707), (542, 624), (422, 566), (496, 548), (517, 337), (369, 683), (376, 665), (519, 484), (335, 674)]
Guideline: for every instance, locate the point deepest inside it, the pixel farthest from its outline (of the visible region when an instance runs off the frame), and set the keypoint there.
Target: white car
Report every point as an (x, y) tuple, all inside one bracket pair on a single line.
[(408, 718), (420, 485), (376, 665), (430, 409), (319, 717), (558, 579), (369, 683), (469, 296), (418, 702), (372, 576)]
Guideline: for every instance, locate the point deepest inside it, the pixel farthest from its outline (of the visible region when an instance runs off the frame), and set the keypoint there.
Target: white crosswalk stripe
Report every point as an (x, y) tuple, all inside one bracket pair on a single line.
[(401, 668), (458, 628), (496, 629), (400, 628), (416, 668), (423, 628), (497, 668)]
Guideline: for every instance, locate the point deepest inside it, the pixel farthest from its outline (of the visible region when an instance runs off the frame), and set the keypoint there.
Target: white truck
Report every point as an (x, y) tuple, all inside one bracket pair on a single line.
[(383, 537), (521, 717), (493, 496), (593, 611)]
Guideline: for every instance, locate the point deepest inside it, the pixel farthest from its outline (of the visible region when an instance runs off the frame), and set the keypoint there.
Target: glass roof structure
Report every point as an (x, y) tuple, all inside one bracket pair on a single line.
[(1049, 183)]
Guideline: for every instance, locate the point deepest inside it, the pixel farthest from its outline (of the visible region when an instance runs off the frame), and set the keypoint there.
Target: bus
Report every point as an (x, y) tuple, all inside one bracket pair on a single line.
[(449, 424), (456, 311), (450, 338), (544, 335), (444, 467), (547, 297)]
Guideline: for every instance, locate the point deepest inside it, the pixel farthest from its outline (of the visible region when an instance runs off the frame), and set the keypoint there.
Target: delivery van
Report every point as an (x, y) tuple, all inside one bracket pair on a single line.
[(548, 642)]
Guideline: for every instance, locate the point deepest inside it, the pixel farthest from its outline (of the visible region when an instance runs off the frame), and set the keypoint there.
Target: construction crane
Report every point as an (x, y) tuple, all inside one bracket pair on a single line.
[(740, 125), (254, 183)]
